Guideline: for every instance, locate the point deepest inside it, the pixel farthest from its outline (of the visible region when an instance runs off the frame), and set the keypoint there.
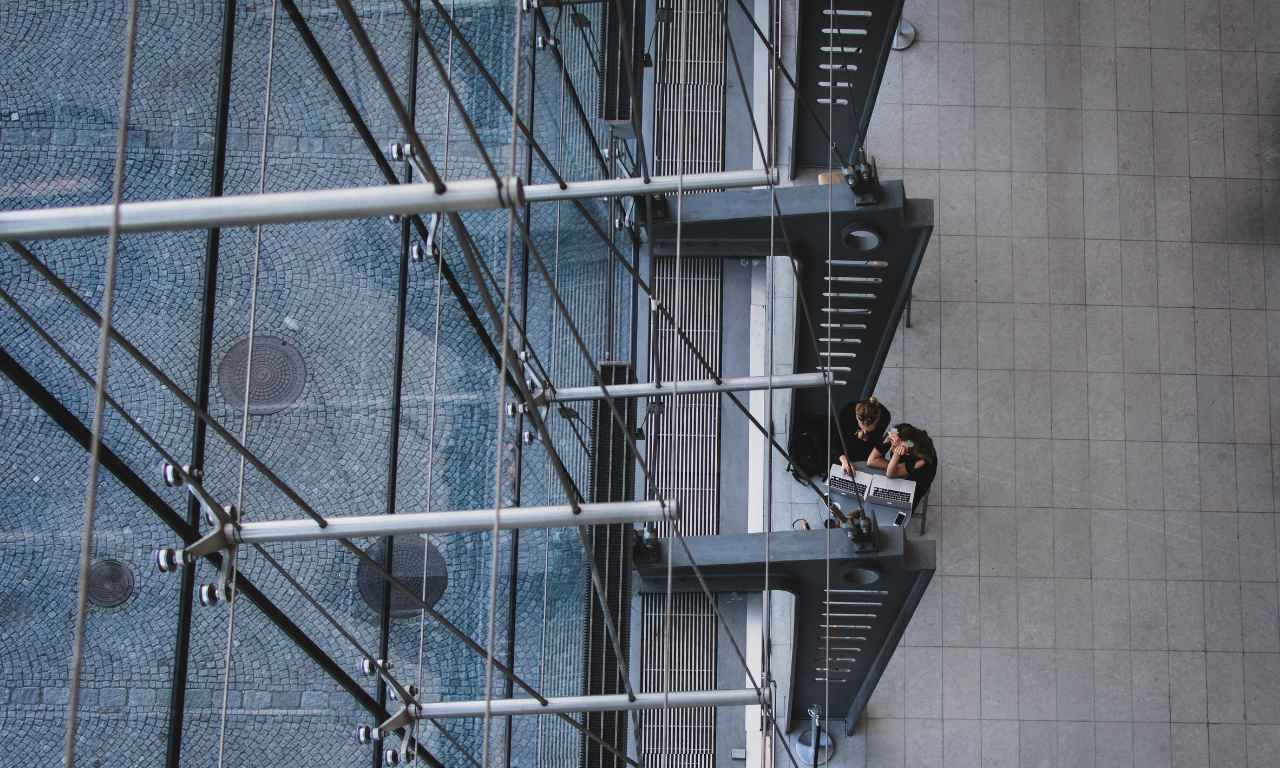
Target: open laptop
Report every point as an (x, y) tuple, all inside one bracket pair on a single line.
[(839, 482), (892, 492)]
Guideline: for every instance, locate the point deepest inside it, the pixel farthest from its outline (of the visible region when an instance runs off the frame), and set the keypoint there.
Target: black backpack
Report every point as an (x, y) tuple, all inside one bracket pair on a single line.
[(805, 446)]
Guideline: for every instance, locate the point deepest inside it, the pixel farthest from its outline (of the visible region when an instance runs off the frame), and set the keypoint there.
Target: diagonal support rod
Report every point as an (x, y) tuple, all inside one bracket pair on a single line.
[(362, 128), (76, 429)]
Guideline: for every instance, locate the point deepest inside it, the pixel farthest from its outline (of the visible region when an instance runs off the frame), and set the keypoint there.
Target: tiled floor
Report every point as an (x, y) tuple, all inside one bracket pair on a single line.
[(1096, 349)]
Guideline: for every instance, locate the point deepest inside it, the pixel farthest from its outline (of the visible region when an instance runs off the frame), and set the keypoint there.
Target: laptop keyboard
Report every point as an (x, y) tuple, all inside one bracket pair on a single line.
[(886, 493), (845, 485)]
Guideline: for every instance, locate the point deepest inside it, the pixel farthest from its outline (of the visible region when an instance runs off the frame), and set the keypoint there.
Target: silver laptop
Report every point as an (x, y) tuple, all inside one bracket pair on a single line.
[(892, 492), (839, 482)]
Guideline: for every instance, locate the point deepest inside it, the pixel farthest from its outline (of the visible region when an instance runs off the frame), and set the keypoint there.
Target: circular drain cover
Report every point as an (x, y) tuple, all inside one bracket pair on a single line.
[(279, 375), (110, 583), (406, 565)]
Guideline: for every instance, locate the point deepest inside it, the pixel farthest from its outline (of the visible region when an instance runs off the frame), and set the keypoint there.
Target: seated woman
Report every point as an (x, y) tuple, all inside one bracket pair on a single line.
[(863, 426), (909, 454)]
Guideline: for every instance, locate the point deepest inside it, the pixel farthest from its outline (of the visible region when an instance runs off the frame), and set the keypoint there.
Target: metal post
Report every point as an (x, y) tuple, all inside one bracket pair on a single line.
[(182, 644), (607, 703), (667, 389), (343, 203), (413, 523), (255, 209)]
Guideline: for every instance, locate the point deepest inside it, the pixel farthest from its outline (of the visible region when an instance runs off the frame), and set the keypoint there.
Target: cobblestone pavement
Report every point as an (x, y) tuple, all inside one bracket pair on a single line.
[(328, 289)]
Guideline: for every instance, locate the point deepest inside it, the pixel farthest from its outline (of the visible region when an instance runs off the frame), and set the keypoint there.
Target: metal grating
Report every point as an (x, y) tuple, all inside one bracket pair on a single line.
[(613, 479), (684, 456), (615, 85), (702, 96), (684, 441), (679, 738)]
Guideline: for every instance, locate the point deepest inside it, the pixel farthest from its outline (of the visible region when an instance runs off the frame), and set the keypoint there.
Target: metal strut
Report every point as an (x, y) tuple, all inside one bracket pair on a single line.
[(234, 532), (346, 203)]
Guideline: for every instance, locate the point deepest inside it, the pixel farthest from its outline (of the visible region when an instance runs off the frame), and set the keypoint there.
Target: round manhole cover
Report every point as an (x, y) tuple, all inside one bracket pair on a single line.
[(110, 583), (279, 375), (406, 565)]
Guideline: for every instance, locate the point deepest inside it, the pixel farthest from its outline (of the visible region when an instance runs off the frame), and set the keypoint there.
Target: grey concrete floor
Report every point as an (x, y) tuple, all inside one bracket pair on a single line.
[(1094, 349)]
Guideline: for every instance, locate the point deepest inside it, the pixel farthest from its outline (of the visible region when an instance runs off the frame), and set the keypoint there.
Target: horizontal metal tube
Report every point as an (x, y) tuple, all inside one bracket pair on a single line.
[(351, 203), (610, 703), (450, 522), (665, 388), (251, 210), (692, 182)]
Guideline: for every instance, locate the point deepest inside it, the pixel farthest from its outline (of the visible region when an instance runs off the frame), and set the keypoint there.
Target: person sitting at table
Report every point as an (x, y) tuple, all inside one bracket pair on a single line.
[(909, 454), (862, 425)]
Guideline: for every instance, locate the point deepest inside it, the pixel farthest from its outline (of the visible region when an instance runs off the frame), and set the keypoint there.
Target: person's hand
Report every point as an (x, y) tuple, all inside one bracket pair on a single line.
[(862, 434), (899, 450), (844, 465)]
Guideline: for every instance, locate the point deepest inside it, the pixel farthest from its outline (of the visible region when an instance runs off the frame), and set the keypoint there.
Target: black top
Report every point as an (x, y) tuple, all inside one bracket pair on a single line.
[(859, 449), (921, 476)]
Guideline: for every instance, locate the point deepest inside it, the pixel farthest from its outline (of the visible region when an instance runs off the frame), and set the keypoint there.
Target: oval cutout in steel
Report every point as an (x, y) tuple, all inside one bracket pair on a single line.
[(860, 237), (860, 573)]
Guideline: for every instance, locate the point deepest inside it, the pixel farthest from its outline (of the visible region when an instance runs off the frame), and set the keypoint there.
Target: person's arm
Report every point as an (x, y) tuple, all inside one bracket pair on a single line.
[(897, 466), (846, 466), (877, 460), (903, 468)]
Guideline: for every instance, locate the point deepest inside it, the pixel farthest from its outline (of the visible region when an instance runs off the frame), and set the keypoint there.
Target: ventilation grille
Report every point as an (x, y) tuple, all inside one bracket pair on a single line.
[(612, 479), (684, 455), (684, 440), (615, 87), (701, 99), (679, 738)]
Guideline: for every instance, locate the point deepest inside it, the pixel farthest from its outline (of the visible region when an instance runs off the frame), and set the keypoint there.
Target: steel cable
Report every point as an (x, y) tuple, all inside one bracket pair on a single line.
[(435, 393), (99, 394), (502, 394), (233, 552)]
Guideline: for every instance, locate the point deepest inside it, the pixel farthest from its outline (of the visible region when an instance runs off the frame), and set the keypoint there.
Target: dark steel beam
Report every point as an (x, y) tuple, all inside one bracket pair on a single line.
[(63, 417), (513, 573), (182, 645), (397, 382)]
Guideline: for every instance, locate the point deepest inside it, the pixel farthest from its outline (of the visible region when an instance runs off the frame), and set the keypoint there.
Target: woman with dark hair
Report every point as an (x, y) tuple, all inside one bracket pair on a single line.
[(862, 425), (909, 454)]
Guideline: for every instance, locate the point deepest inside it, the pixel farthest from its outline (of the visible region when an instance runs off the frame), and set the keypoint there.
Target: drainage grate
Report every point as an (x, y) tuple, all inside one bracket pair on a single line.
[(110, 583), (279, 374), (406, 565)]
